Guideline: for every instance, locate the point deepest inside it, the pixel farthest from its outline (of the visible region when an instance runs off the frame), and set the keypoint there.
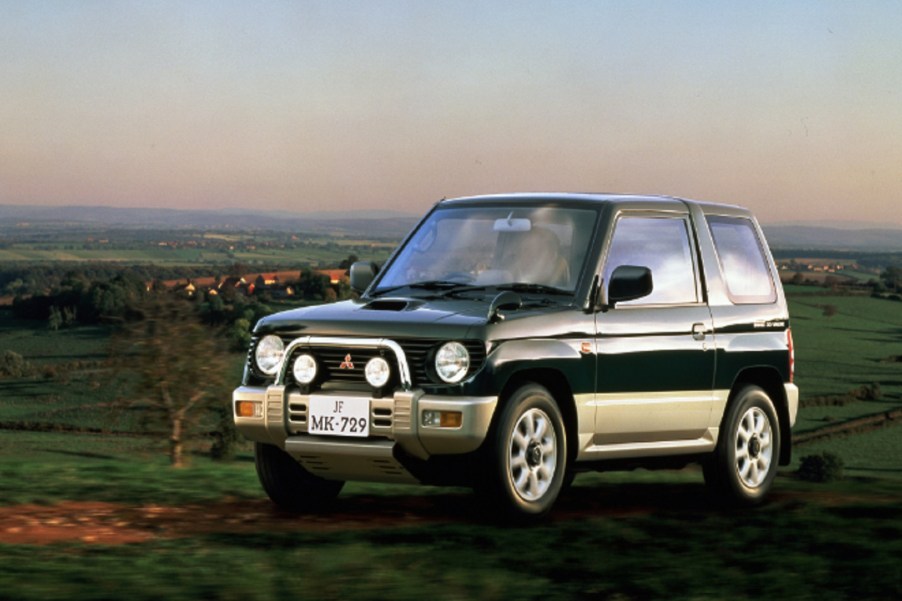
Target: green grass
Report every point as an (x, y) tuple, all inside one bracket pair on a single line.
[(877, 453), (839, 353), (46, 468), (851, 348), (317, 251), (638, 535), (40, 345), (661, 540)]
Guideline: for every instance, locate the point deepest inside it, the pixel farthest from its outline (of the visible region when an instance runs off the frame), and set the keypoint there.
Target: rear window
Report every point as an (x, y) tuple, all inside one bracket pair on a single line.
[(742, 260)]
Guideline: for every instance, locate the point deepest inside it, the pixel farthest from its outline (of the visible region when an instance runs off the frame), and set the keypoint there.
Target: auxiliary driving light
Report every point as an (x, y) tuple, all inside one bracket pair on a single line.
[(377, 372), (304, 369)]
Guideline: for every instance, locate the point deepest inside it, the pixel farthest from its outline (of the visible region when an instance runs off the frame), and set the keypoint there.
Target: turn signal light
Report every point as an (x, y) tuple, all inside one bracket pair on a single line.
[(248, 409), (443, 419)]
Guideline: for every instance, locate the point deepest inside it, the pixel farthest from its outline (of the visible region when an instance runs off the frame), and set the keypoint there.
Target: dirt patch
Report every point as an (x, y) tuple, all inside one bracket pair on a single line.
[(117, 524), (113, 524)]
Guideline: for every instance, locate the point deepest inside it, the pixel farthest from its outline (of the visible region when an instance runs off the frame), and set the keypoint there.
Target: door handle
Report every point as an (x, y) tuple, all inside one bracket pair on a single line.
[(699, 331)]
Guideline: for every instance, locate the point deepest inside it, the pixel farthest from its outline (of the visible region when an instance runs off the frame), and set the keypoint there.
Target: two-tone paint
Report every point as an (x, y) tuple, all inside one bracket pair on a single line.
[(632, 382)]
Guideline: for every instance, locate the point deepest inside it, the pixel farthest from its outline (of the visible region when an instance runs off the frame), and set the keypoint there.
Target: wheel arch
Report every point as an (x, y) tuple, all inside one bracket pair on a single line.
[(769, 380), (557, 384)]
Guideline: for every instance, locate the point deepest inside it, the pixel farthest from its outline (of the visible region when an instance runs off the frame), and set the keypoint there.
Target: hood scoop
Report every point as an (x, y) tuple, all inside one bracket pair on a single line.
[(504, 301), (392, 304)]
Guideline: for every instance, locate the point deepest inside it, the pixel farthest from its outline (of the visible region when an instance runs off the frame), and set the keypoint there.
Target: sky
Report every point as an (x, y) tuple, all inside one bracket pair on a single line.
[(793, 109)]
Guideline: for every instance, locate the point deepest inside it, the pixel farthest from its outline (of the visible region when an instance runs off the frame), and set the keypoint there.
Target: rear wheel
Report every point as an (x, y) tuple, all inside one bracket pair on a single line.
[(526, 463), (744, 464), (288, 484)]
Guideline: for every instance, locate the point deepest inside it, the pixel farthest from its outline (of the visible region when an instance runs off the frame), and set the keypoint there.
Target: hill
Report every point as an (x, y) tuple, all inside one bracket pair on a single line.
[(851, 236), (373, 223), (848, 238)]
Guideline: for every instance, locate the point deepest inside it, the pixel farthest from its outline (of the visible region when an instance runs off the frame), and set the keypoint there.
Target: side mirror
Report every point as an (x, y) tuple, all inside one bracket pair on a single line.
[(362, 274), (629, 282)]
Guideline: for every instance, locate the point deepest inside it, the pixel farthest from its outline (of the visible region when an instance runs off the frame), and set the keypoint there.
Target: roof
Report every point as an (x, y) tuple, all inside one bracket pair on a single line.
[(593, 198)]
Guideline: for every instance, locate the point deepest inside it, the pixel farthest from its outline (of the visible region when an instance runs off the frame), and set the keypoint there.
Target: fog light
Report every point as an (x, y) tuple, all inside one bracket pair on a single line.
[(249, 409), (304, 369), (377, 372), (442, 419)]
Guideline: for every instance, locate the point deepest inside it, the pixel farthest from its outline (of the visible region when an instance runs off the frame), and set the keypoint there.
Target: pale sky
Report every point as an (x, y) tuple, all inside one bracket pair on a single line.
[(791, 108)]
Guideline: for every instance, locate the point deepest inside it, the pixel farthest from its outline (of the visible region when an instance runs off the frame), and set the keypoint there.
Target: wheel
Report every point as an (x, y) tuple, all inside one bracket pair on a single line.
[(288, 484), (744, 463), (527, 456)]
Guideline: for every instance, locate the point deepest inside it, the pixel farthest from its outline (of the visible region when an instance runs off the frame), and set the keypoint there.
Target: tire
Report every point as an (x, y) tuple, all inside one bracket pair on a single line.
[(526, 460), (288, 484), (744, 464)]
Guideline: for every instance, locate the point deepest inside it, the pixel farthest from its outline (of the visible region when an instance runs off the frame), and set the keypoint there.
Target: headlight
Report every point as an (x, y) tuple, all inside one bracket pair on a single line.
[(377, 372), (452, 361), (304, 369), (269, 354)]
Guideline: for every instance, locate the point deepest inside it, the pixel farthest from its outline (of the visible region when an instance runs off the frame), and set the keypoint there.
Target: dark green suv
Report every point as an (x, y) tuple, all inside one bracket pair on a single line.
[(512, 341)]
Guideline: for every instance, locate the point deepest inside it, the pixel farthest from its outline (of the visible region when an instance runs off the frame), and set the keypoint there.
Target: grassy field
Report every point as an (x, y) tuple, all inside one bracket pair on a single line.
[(204, 250), (628, 536), (613, 537), (861, 344)]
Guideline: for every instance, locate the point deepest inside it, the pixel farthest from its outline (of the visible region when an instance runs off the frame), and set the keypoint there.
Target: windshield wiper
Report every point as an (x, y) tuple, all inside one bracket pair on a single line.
[(536, 288), (444, 285), (447, 288)]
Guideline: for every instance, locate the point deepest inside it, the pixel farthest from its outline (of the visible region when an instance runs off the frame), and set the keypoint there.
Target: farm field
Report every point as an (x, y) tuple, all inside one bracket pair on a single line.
[(89, 508), (860, 344), (184, 248), (313, 254)]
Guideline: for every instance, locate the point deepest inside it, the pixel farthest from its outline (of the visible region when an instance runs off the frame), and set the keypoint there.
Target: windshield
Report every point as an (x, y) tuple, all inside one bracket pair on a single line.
[(543, 247)]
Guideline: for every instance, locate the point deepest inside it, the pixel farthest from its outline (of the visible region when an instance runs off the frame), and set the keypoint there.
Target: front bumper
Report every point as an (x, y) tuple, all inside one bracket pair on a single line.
[(397, 428)]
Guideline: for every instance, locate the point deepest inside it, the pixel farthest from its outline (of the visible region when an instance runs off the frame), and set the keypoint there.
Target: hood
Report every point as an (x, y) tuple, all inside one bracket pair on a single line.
[(381, 317), (414, 318)]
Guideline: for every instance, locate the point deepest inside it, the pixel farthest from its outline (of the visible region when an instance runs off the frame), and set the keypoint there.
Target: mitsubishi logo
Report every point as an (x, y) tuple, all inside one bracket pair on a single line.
[(347, 363)]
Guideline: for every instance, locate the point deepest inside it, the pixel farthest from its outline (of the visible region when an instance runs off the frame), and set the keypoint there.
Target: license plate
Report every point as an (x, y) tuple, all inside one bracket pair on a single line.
[(333, 416)]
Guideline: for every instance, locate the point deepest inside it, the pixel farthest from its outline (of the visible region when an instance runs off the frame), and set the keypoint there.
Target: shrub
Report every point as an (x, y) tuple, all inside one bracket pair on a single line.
[(14, 365), (869, 392), (825, 467), (225, 435)]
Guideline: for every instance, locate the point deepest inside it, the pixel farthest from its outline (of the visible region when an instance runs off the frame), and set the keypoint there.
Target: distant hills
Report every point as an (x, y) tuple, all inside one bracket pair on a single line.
[(851, 236), (392, 224)]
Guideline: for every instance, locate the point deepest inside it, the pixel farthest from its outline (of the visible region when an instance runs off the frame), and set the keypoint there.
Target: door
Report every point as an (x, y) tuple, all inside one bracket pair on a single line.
[(655, 354)]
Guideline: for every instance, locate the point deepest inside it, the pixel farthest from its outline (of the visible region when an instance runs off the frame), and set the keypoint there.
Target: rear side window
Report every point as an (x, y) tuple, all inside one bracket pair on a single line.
[(742, 260)]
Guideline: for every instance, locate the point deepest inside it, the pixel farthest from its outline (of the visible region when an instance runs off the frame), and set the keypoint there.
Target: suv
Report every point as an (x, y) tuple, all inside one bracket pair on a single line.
[(514, 340)]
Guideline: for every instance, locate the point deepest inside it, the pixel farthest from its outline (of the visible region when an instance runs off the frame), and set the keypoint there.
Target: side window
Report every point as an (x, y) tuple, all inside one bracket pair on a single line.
[(662, 245), (742, 260)]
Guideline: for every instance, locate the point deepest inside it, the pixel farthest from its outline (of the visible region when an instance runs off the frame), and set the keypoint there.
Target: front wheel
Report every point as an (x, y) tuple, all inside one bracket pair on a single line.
[(288, 484), (744, 464), (527, 455)]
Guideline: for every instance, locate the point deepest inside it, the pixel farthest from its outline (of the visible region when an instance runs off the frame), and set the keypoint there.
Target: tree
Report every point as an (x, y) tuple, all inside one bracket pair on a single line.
[(892, 278), (55, 321), (181, 368), (346, 263), (312, 285)]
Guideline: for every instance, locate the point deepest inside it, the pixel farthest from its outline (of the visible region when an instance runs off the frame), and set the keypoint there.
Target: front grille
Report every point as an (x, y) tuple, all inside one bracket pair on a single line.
[(345, 365)]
